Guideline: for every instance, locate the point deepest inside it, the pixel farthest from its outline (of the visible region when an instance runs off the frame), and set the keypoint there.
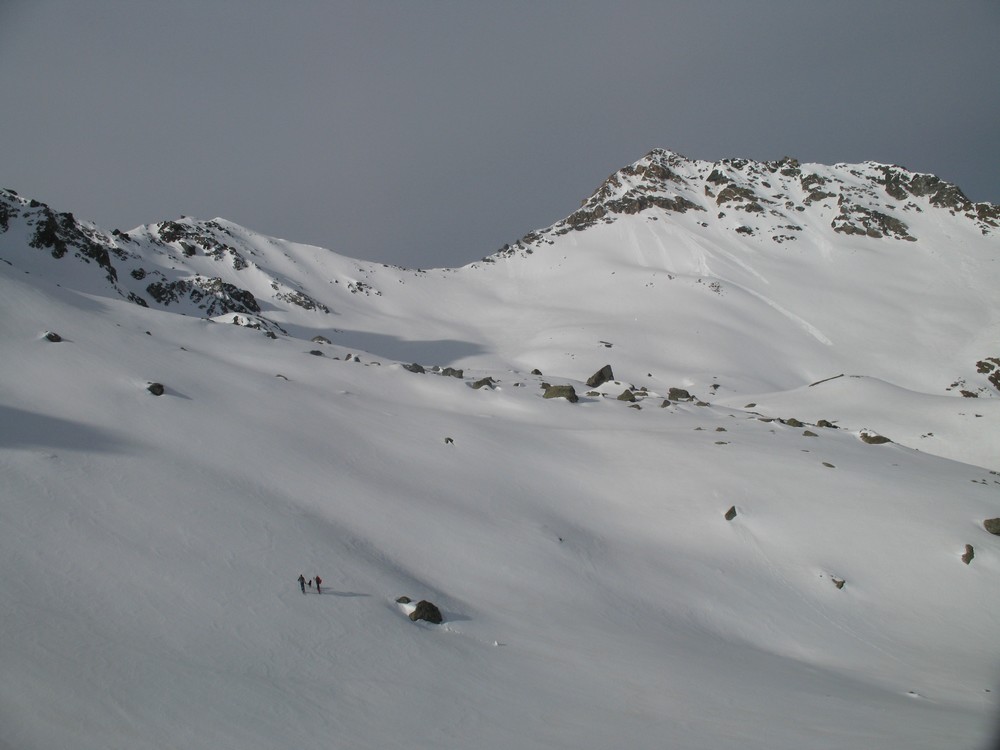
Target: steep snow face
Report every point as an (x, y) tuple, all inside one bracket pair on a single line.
[(744, 566)]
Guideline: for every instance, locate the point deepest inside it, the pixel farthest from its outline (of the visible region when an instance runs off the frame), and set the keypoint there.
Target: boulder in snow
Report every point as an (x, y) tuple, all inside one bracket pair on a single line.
[(426, 611), (567, 392), (600, 377)]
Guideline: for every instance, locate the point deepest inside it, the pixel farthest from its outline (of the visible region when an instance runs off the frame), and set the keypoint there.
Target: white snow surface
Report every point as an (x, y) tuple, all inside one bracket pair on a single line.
[(594, 595)]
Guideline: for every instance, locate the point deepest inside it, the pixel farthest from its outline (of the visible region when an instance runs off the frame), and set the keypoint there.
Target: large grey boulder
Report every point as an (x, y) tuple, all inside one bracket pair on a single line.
[(600, 377), (567, 392)]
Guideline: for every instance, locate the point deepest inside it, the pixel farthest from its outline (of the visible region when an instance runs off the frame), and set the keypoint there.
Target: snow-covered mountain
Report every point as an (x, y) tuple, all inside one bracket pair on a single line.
[(766, 529)]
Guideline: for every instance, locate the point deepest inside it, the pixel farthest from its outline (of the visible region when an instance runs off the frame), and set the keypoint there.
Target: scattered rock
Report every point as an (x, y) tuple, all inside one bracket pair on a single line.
[(838, 582), (872, 439), (453, 373), (561, 391), (536, 371), (731, 513), (809, 433), (793, 422), (426, 611), (484, 382), (666, 402), (829, 465), (600, 377), (54, 337), (449, 441), (992, 525), (969, 554), (403, 600), (678, 394), (316, 352), (155, 388), (626, 395), (320, 340), (412, 368), (827, 424)]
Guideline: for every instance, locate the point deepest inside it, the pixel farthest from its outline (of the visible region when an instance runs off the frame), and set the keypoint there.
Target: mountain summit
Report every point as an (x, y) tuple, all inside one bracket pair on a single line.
[(777, 200)]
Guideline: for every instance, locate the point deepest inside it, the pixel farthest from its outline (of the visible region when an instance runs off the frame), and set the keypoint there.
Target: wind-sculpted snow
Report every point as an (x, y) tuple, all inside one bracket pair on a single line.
[(766, 524)]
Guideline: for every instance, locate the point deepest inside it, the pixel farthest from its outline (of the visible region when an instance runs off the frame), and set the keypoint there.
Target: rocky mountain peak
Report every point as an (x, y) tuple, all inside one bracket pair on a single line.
[(772, 199)]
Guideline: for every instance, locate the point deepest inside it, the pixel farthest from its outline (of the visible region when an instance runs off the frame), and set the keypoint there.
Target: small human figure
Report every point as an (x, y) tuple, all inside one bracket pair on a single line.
[(318, 582), (302, 583), (310, 583)]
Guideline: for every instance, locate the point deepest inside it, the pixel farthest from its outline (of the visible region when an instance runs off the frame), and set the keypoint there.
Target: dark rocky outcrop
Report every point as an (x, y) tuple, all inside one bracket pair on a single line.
[(213, 295), (992, 525), (54, 337), (426, 611), (969, 554), (678, 394), (600, 377), (626, 395), (156, 389), (484, 383), (856, 219), (731, 513), (419, 369)]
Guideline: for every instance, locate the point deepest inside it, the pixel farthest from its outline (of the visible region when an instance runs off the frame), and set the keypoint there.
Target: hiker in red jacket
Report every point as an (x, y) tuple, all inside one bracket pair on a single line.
[(318, 582)]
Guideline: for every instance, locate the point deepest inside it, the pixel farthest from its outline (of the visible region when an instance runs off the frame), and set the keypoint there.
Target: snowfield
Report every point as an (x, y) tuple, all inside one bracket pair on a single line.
[(594, 593)]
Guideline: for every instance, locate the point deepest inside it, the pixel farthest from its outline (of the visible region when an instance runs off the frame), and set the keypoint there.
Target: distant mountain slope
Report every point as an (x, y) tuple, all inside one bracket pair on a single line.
[(733, 277)]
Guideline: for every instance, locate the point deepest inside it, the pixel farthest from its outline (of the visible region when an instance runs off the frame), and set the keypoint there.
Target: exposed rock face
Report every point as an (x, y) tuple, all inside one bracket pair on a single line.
[(678, 394), (992, 525)]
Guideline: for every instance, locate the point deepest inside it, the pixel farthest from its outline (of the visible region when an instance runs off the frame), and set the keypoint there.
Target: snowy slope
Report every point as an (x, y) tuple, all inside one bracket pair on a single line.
[(594, 594)]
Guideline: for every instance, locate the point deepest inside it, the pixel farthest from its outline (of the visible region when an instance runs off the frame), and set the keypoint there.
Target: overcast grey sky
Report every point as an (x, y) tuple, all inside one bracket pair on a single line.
[(431, 133)]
